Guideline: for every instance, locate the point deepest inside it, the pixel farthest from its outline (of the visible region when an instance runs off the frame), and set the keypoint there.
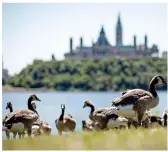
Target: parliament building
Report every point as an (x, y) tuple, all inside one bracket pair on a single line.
[(102, 48)]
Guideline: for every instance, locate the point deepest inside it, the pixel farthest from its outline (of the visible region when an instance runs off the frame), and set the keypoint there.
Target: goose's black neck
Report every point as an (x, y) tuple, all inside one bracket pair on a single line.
[(30, 107), (92, 108), (11, 109), (83, 124), (62, 115), (152, 88), (165, 119)]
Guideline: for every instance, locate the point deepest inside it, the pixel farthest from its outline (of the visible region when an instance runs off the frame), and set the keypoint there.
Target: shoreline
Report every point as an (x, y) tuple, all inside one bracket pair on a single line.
[(8, 88)]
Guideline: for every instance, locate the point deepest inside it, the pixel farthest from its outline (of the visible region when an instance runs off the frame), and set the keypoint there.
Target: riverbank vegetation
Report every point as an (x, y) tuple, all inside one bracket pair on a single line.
[(108, 74), (133, 139)]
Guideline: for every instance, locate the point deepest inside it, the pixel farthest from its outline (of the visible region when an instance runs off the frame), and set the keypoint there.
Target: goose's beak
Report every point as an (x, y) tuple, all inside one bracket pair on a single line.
[(165, 82), (84, 106), (38, 99)]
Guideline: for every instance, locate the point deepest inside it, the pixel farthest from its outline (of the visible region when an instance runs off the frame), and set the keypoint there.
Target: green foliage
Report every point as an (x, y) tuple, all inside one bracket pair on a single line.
[(97, 75)]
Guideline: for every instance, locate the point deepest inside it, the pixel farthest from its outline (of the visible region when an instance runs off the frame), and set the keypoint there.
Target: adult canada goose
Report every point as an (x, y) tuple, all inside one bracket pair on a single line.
[(101, 115), (40, 127), (165, 118), (25, 117), (65, 122), (133, 103), (17, 128), (89, 125)]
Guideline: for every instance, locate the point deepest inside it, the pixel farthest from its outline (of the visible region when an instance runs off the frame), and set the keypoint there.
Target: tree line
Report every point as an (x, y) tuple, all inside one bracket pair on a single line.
[(107, 74)]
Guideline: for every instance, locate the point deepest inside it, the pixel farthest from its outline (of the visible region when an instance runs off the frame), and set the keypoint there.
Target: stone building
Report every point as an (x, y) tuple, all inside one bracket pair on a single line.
[(102, 47)]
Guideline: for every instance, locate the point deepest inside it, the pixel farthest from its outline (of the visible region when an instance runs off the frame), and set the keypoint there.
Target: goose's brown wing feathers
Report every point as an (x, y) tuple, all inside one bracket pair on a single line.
[(130, 97), (26, 114), (89, 125), (69, 115), (104, 114), (11, 115), (106, 111), (22, 114)]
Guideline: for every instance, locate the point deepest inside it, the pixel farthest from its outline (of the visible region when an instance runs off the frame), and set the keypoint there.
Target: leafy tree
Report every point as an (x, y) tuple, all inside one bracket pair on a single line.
[(97, 75)]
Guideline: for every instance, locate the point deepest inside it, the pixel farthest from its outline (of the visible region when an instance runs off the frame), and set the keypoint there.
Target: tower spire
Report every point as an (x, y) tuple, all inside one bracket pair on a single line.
[(119, 20), (119, 31), (102, 39), (102, 31)]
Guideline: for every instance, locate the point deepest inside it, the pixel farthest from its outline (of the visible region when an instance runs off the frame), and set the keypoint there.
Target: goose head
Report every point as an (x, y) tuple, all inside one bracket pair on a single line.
[(87, 104), (34, 98), (158, 80), (9, 105), (62, 106)]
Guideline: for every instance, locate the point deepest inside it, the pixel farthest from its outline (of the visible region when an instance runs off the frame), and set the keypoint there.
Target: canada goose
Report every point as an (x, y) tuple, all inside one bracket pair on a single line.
[(65, 122), (17, 127), (40, 127), (165, 118), (152, 121), (101, 115), (133, 103), (15, 131), (25, 117), (89, 125)]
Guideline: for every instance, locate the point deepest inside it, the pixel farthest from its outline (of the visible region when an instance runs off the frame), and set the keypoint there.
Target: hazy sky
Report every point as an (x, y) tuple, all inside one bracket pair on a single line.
[(37, 30)]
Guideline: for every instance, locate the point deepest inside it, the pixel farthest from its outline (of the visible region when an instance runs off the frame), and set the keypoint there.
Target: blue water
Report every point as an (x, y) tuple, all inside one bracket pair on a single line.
[(50, 106)]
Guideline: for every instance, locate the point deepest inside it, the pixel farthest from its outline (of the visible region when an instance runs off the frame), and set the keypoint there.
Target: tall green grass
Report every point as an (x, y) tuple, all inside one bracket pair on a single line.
[(132, 139)]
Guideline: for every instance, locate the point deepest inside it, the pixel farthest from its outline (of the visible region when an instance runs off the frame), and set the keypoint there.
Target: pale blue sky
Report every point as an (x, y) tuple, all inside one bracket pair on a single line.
[(37, 30)]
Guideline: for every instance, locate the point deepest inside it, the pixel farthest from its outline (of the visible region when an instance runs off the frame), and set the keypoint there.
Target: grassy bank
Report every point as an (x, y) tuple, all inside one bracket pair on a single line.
[(141, 139)]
